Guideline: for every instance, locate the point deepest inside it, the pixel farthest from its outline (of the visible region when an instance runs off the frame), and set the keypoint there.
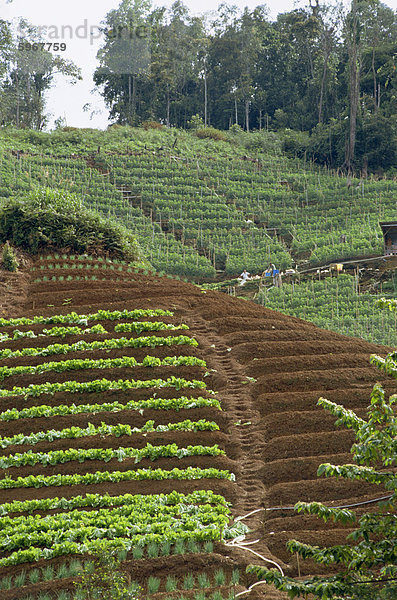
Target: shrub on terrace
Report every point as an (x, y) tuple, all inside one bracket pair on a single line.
[(58, 219), (9, 258), (210, 133), (102, 578)]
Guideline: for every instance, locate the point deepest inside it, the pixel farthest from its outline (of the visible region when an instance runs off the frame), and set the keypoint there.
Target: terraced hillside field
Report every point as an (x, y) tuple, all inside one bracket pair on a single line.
[(141, 412), (201, 208)]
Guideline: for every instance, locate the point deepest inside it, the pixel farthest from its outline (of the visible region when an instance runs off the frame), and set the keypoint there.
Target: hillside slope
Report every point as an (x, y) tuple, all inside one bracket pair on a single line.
[(201, 207), (268, 371)]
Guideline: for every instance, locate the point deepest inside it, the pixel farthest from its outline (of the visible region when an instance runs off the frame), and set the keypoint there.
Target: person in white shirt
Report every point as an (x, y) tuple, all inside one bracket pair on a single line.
[(244, 277)]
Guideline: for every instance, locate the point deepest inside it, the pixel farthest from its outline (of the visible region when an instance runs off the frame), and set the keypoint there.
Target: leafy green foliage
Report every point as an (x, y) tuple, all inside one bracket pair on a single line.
[(102, 501), (134, 520), (91, 430), (101, 385), (78, 319), (9, 258), (210, 205), (210, 133), (390, 304), (46, 411), (47, 217), (101, 363), (39, 481), (110, 344)]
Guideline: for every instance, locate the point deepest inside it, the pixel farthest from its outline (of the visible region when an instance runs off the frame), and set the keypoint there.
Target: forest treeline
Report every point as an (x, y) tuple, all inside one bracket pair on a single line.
[(322, 75)]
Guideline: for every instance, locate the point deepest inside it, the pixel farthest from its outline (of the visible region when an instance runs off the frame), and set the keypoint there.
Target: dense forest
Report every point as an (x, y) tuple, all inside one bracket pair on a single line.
[(324, 77)]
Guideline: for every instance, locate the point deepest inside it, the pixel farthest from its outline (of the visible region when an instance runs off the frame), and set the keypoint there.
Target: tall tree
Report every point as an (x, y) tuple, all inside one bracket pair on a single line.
[(124, 57), (27, 76), (353, 39)]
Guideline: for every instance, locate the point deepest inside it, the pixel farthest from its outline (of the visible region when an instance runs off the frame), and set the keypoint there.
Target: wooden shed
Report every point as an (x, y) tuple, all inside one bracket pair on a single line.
[(389, 229)]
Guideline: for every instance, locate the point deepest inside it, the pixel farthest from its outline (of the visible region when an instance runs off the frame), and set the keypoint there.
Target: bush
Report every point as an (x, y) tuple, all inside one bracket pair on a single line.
[(210, 133), (58, 219), (152, 125), (102, 578), (263, 141), (195, 123), (9, 259), (295, 143)]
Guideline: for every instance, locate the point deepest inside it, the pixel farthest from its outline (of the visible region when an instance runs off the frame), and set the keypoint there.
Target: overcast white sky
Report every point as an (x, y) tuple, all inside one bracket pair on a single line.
[(67, 100)]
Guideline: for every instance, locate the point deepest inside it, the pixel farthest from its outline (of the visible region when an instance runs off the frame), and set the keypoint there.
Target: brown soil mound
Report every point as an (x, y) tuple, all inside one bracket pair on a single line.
[(269, 371)]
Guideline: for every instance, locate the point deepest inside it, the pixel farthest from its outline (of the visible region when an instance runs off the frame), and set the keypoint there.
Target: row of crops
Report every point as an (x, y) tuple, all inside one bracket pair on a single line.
[(222, 582), (334, 303), (225, 205), (61, 522), (193, 215)]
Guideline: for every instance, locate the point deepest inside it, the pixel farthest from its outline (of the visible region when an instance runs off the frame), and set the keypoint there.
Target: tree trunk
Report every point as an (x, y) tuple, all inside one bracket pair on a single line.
[(235, 108), (129, 99), (247, 115), (205, 98), (322, 86), (260, 119), (17, 115), (168, 105), (374, 79), (133, 97), (354, 93)]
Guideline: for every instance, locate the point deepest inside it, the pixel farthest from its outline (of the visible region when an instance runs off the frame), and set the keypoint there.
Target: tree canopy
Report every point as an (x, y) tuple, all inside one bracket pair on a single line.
[(320, 69)]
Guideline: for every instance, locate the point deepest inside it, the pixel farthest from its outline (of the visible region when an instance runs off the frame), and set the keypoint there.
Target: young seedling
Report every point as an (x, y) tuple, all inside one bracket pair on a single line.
[(203, 580), (48, 573), (34, 576), (6, 583), (153, 584), (62, 571), (75, 568), (153, 550), (137, 552), (171, 584), (193, 547), (165, 549), (44, 596), (219, 577), (235, 578), (20, 579), (188, 581), (179, 547)]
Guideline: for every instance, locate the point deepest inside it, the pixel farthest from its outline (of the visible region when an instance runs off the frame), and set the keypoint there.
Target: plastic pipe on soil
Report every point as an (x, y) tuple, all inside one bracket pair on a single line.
[(234, 544), (250, 588)]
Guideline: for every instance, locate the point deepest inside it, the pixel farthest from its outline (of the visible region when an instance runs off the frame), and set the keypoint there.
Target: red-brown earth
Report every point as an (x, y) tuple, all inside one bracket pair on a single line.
[(268, 370)]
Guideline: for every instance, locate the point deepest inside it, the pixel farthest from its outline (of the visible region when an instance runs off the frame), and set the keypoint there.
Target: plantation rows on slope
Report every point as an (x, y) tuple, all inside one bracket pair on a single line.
[(334, 303), (197, 207), (268, 370), (97, 409)]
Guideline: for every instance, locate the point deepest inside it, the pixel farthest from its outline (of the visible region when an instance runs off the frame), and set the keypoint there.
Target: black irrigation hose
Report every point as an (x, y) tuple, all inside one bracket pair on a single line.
[(342, 506), (293, 507)]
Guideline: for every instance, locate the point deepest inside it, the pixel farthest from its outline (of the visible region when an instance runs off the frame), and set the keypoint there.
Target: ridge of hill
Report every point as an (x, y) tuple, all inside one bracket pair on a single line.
[(267, 370)]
